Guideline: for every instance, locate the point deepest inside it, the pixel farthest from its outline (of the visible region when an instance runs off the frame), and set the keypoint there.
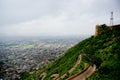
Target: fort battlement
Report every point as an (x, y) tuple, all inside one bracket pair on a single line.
[(101, 28)]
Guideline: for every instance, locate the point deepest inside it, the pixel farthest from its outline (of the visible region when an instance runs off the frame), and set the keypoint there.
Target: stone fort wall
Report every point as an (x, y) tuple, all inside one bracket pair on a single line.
[(100, 28)]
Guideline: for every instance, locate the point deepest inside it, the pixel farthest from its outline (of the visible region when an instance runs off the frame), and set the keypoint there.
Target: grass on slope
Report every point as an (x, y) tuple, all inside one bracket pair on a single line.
[(102, 50)]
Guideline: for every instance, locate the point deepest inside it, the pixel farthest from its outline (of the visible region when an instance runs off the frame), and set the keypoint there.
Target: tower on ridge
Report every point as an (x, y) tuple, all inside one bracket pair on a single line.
[(111, 19)]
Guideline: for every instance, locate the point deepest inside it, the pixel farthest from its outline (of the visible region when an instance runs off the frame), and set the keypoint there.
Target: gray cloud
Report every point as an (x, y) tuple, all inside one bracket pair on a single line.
[(64, 17)]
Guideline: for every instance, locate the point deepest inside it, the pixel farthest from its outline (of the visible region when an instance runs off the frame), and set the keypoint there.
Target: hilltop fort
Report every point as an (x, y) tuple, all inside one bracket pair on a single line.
[(99, 29)]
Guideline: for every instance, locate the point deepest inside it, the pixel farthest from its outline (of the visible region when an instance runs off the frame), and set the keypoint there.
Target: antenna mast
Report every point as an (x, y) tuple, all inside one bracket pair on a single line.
[(111, 19)]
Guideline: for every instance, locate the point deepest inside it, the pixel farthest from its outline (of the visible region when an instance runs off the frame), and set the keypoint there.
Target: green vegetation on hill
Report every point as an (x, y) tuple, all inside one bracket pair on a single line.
[(102, 50)]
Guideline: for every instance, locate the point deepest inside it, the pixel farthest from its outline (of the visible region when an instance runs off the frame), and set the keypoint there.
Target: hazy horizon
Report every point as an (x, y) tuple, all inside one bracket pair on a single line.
[(55, 17)]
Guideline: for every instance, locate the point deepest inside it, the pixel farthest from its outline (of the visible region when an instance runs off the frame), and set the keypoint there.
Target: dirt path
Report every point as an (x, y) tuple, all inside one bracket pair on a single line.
[(87, 72), (72, 69), (43, 75), (84, 74), (56, 76)]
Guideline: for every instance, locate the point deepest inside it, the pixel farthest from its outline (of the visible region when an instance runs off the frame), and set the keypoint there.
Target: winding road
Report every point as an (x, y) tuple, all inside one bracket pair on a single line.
[(73, 68), (82, 75)]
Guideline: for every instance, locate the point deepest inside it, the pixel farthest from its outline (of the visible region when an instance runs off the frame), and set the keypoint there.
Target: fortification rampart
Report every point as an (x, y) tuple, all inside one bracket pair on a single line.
[(101, 28)]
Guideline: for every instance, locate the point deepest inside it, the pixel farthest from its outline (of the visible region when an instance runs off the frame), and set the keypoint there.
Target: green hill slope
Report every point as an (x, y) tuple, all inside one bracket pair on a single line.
[(102, 50)]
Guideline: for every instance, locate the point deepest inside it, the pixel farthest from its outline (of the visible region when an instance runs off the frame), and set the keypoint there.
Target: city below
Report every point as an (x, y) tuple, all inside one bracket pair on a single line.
[(24, 54)]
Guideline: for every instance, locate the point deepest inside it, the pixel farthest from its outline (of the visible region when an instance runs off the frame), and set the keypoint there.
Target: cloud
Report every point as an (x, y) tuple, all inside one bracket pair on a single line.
[(53, 25), (55, 17)]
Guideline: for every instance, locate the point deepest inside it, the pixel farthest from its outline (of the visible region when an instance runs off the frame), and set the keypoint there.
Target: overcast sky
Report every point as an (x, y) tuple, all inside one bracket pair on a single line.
[(55, 17)]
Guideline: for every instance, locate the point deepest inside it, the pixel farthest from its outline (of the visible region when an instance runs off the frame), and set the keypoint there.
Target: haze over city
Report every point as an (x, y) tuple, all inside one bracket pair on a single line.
[(59, 39), (55, 17)]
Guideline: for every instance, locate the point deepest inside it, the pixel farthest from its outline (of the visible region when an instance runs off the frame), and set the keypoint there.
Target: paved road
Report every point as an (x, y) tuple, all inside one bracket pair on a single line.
[(85, 74), (57, 77), (79, 76)]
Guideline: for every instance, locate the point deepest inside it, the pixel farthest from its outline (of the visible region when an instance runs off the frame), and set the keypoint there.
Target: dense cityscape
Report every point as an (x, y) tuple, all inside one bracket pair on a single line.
[(21, 54)]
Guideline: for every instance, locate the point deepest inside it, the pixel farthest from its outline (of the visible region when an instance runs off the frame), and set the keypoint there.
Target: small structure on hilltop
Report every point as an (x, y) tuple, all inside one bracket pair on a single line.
[(101, 28)]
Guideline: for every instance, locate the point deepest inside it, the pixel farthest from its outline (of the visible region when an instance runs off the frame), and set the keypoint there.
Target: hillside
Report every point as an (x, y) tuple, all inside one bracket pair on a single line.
[(102, 50)]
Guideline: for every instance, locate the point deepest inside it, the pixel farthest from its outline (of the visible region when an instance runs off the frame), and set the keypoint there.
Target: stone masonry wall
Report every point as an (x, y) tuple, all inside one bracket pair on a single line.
[(101, 28)]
